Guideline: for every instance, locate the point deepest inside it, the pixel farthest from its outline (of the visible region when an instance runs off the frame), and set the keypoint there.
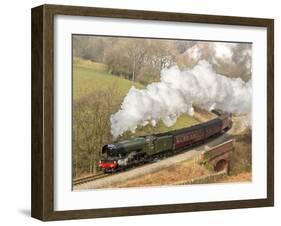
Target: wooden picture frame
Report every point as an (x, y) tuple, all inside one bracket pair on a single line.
[(42, 204)]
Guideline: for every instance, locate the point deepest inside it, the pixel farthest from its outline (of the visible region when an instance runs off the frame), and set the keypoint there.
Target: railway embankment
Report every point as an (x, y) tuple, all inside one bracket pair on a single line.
[(185, 168)]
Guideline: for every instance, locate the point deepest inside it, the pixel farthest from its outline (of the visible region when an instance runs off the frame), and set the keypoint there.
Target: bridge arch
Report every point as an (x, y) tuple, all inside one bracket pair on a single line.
[(219, 156), (221, 165)]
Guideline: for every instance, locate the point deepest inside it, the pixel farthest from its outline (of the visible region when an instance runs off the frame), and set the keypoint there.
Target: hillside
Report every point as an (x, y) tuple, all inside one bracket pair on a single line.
[(89, 77), (96, 96)]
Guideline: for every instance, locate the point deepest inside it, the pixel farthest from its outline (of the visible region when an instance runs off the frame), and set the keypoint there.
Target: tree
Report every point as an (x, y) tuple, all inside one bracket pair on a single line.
[(183, 45), (126, 57), (162, 53), (240, 65), (91, 128), (136, 51), (90, 48)]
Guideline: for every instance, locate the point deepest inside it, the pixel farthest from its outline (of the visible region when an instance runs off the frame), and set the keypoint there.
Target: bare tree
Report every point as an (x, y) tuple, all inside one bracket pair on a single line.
[(91, 128), (127, 57)]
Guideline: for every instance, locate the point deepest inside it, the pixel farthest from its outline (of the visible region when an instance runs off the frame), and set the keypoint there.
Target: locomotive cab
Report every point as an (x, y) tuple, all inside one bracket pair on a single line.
[(112, 150)]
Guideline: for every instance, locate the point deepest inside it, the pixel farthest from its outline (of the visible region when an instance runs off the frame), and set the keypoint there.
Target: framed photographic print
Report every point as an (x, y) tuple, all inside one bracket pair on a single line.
[(141, 112)]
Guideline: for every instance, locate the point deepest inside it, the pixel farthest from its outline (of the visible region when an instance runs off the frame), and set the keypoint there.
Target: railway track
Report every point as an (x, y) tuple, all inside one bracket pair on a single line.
[(86, 179), (83, 180)]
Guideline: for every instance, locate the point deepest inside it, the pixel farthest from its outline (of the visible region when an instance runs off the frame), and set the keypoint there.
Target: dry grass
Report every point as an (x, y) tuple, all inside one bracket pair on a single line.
[(241, 160), (203, 115), (181, 172), (241, 177)]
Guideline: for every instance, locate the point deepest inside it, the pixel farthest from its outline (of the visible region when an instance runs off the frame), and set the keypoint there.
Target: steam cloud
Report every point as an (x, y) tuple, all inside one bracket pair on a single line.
[(175, 95)]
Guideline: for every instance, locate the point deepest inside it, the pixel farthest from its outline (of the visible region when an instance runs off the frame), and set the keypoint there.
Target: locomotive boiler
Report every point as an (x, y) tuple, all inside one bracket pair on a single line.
[(138, 150)]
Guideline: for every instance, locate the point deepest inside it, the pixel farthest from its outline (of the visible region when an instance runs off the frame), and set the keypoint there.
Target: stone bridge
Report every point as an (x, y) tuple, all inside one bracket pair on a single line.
[(218, 157)]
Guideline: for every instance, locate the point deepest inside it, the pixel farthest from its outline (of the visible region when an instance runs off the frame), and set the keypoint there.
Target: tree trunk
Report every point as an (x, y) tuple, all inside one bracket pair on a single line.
[(134, 70), (91, 161)]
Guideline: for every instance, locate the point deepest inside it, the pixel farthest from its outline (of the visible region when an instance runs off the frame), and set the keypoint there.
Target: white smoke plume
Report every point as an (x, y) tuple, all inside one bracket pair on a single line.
[(176, 93)]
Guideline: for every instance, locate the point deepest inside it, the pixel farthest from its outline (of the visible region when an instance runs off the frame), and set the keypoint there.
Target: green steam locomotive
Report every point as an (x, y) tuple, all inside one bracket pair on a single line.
[(138, 150)]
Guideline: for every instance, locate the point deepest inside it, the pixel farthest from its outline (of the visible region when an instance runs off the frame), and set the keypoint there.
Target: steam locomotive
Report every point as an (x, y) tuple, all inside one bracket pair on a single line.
[(138, 150)]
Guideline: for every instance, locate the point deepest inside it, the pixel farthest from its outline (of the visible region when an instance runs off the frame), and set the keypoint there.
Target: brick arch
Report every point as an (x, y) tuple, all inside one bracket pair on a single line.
[(221, 165), (219, 156)]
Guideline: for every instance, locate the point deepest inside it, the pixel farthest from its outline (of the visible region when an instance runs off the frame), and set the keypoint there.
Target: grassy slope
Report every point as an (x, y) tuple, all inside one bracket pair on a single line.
[(182, 171), (90, 77)]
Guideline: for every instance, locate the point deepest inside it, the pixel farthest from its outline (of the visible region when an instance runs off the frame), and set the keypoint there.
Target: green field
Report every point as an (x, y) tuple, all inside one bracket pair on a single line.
[(91, 77)]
